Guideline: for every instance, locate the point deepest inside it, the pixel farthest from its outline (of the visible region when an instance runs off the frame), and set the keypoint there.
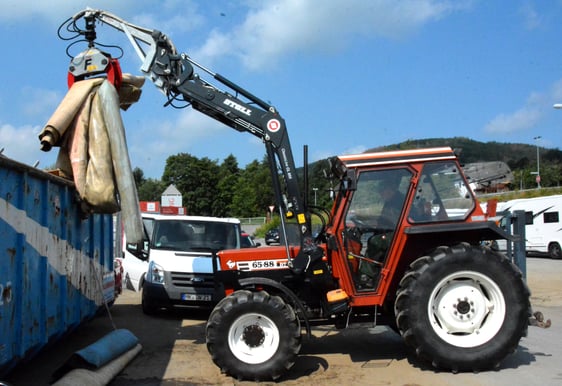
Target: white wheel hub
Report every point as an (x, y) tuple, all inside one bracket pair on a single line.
[(466, 309), (253, 338)]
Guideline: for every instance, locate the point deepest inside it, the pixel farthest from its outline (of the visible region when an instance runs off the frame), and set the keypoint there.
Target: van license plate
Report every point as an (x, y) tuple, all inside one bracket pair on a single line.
[(196, 297)]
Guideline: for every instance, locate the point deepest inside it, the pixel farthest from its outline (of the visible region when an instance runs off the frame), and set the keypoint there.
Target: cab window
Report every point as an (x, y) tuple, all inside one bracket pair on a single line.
[(441, 194)]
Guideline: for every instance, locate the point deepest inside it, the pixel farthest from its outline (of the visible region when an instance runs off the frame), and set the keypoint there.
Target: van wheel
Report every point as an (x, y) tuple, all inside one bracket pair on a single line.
[(253, 336), (128, 283), (147, 307), (554, 250), (463, 308)]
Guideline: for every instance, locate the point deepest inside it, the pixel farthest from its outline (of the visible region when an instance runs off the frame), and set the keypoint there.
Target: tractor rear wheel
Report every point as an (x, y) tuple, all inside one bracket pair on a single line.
[(253, 335), (463, 308)]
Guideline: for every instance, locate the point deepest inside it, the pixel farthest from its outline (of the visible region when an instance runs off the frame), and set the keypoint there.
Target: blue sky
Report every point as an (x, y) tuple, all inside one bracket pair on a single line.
[(347, 75)]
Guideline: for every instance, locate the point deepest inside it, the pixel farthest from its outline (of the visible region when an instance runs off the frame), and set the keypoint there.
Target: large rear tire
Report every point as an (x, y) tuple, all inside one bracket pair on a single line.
[(253, 336), (463, 308)]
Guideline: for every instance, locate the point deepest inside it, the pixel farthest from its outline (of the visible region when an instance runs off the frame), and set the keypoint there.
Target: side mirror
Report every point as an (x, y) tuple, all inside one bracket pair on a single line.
[(349, 181), (140, 251)]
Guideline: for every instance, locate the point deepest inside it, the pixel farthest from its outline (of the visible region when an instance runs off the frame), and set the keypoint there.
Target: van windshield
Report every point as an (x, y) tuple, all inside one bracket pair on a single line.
[(188, 235)]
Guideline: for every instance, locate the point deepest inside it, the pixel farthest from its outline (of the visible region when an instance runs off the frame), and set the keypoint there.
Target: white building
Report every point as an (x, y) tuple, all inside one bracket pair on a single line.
[(171, 197)]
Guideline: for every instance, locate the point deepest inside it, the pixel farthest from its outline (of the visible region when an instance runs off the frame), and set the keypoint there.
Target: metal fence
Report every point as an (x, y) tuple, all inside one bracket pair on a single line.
[(514, 225)]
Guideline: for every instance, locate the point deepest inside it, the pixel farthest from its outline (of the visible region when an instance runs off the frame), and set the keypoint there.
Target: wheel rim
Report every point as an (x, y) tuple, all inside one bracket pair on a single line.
[(253, 338), (466, 309)]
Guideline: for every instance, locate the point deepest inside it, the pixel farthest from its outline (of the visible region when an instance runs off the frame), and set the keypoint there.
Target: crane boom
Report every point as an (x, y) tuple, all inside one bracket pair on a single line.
[(174, 74)]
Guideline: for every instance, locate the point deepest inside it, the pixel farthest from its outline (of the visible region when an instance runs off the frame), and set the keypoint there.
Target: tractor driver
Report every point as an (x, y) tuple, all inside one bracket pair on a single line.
[(370, 228), (393, 199)]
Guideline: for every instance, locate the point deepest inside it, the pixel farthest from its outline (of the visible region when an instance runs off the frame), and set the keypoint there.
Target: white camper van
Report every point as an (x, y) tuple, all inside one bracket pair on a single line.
[(543, 226), (179, 269)]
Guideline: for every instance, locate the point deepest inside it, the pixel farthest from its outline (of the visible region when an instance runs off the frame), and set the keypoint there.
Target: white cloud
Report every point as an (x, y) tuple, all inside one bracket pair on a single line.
[(195, 125), (14, 137), (355, 150), (167, 16), (172, 18), (259, 33), (556, 91), (173, 136), (155, 141), (40, 102), (270, 30), (529, 115), (531, 18), (53, 10), (275, 28), (22, 144), (522, 119)]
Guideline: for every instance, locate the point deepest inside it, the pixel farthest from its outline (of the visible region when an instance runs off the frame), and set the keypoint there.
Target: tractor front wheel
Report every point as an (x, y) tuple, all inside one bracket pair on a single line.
[(253, 335)]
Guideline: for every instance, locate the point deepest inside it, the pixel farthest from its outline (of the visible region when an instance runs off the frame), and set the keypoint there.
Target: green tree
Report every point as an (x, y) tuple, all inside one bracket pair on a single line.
[(150, 190), (196, 179), (147, 189), (229, 172), (138, 176), (317, 180), (264, 187), (244, 198), (253, 191)]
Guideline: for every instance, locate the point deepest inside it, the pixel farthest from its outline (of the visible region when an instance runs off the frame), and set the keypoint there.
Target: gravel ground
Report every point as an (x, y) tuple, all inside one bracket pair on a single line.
[(174, 351)]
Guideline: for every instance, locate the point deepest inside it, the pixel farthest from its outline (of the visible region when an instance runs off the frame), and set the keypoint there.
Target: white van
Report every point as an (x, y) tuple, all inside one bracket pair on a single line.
[(179, 268), (543, 226)]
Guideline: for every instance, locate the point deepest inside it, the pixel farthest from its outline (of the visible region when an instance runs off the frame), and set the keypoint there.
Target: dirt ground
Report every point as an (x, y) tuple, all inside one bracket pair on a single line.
[(174, 351)]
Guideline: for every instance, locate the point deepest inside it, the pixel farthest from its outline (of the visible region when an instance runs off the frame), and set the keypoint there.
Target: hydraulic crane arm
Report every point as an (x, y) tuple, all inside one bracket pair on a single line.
[(174, 74)]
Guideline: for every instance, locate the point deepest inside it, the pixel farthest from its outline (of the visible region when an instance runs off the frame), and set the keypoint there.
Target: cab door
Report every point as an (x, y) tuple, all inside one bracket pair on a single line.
[(373, 213)]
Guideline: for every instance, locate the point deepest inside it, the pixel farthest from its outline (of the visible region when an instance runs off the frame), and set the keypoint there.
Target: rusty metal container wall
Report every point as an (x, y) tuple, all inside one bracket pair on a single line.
[(56, 266)]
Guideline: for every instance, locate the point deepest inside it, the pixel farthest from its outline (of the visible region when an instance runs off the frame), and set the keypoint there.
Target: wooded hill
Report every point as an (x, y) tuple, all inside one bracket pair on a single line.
[(521, 159), (210, 187), (516, 155)]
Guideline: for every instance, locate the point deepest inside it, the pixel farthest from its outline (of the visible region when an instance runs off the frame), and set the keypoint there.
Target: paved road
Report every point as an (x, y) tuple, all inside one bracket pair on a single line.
[(174, 351)]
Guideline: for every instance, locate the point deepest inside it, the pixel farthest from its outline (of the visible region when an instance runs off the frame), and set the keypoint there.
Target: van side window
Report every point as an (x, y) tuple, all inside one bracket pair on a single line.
[(149, 227), (551, 217), (529, 218)]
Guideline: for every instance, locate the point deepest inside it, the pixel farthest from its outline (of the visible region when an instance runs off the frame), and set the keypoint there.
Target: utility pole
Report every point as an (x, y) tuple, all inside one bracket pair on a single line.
[(538, 172)]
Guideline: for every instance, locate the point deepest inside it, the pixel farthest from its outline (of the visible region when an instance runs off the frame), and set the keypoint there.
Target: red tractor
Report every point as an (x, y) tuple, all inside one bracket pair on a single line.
[(403, 245)]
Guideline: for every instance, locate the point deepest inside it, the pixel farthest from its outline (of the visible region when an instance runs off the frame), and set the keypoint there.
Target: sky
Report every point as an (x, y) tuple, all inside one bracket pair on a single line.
[(346, 75)]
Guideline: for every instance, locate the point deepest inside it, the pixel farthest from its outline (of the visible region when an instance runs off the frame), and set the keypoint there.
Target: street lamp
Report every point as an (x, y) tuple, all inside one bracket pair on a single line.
[(538, 172), (315, 190)]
